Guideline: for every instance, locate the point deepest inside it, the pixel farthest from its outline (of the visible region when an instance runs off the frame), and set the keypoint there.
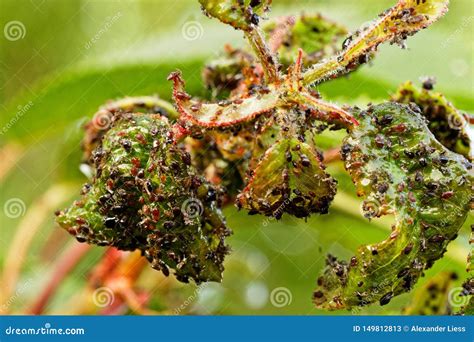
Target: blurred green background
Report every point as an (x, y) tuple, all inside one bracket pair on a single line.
[(72, 56)]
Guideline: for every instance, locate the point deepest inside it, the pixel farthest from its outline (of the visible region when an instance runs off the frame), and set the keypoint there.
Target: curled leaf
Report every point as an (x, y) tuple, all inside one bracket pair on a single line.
[(448, 124), (470, 257), (104, 118), (145, 195), (468, 285), (290, 178), (399, 166), (246, 108), (224, 113), (466, 295)]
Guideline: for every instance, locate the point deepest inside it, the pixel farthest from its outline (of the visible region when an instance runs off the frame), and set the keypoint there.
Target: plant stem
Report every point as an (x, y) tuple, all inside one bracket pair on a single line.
[(321, 71), (267, 59), (388, 27)]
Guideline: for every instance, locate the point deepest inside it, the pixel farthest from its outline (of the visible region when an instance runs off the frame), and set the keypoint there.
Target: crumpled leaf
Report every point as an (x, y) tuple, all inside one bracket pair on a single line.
[(399, 166), (448, 124), (240, 14), (224, 113), (470, 257), (145, 195), (317, 36), (394, 25), (290, 178), (215, 166), (104, 117)]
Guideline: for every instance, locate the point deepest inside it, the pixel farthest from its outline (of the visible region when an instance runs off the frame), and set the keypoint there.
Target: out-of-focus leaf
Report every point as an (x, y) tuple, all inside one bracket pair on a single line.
[(316, 35), (432, 297), (447, 123), (80, 93)]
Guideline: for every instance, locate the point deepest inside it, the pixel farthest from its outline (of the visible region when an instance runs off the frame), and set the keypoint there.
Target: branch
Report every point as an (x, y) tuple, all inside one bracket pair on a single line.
[(267, 59), (406, 18)]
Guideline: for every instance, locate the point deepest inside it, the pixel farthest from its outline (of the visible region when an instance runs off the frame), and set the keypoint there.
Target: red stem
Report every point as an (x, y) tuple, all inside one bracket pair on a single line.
[(66, 263)]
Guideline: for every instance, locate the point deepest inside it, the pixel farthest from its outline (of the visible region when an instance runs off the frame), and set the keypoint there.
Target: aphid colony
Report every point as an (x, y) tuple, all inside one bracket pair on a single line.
[(160, 175)]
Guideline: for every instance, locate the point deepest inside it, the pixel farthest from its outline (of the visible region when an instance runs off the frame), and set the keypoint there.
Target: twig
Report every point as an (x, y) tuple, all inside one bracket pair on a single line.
[(265, 56)]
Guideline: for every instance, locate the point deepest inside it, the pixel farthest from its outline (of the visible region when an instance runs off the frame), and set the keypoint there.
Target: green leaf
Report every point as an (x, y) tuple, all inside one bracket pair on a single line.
[(79, 93), (146, 195), (399, 166), (290, 178)]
